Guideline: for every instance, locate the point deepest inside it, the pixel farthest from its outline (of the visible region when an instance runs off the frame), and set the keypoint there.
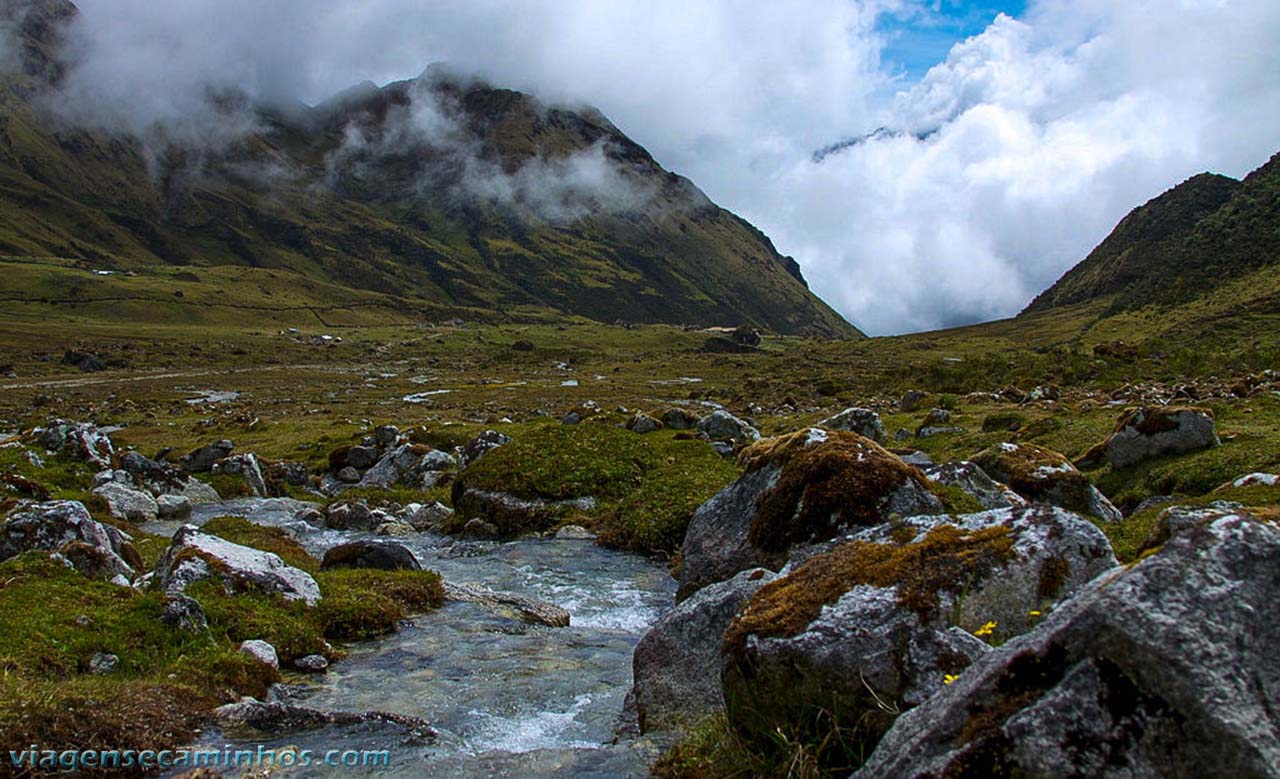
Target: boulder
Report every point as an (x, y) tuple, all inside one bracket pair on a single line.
[(510, 515), (348, 475), (85, 362), (1253, 480), (1159, 669), (127, 503), (394, 528), (877, 625), (677, 663), (1043, 475), (103, 663), (643, 423), (78, 440), (350, 516), (362, 457), (183, 612), (61, 525), (968, 477), (196, 556), (1178, 519), (1154, 431), (679, 419), (429, 517), (721, 425), (798, 489), (412, 465), (385, 436), (196, 491), (378, 555), (485, 442), (262, 652), (911, 401), (312, 664), (247, 467), (862, 421), (201, 460), (173, 507)]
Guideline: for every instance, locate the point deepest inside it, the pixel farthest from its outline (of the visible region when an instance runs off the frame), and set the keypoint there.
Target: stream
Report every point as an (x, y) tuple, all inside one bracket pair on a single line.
[(507, 698)]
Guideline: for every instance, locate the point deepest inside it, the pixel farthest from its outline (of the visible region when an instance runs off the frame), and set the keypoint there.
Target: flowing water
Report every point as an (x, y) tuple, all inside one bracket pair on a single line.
[(507, 698)]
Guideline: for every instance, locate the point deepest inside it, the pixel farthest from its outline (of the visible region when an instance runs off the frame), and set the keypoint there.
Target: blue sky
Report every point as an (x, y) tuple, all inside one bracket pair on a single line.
[(921, 39)]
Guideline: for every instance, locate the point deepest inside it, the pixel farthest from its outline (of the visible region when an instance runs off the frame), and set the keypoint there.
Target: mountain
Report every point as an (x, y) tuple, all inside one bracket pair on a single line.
[(1204, 233), (439, 189)]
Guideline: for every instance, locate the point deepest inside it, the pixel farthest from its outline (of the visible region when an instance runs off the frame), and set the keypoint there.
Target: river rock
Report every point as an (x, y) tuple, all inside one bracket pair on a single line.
[(529, 609), (803, 488), (78, 440), (1160, 669), (248, 468), (876, 625), (312, 664), (277, 717), (394, 528), (127, 503), (201, 460), (1154, 431), (721, 425), (575, 533), (485, 442), (679, 419), (677, 663), (862, 421), (511, 515), (422, 518), (195, 556), (379, 555), (967, 476), (54, 525), (262, 652), (1043, 475)]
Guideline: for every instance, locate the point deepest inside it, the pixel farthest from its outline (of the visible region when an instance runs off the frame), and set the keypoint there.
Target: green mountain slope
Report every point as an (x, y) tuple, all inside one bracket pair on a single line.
[(438, 190), (1187, 243)]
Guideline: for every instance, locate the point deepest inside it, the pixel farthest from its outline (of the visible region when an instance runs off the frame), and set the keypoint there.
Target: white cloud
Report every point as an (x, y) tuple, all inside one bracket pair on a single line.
[(1042, 132)]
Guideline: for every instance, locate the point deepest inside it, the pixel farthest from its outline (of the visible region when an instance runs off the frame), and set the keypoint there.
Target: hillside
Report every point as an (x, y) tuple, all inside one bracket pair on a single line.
[(1196, 238), (438, 191)]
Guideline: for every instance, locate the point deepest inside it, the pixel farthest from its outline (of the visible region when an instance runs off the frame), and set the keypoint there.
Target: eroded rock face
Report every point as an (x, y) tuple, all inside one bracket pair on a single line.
[(1045, 476), (65, 526), (803, 488), (878, 624), (677, 663), (967, 476), (862, 421), (1162, 669), (1153, 431), (196, 556)]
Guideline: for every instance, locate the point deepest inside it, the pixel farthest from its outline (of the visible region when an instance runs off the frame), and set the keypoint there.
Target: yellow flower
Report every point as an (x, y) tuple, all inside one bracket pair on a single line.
[(949, 678), (1034, 613), (986, 629)]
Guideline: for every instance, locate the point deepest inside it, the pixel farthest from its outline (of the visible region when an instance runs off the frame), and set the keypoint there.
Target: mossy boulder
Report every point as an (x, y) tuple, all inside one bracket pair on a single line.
[(1045, 476), (1160, 669), (829, 653), (798, 489), (197, 556), (1154, 431), (974, 482)]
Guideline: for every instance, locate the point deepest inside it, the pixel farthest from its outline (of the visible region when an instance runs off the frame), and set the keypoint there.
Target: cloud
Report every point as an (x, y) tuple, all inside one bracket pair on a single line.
[(998, 169)]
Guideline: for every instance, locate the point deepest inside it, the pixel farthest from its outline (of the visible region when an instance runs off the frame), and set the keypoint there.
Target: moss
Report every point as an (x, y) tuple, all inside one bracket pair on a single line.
[(1053, 575), (822, 487), (947, 560), (1019, 466), (954, 499), (227, 485)]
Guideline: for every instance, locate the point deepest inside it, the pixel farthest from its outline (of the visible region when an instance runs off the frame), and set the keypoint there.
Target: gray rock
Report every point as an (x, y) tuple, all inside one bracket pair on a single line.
[(1179, 519), (311, 516), (277, 717), (721, 425), (917, 458), (910, 401), (485, 442), (262, 652), (677, 663), (386, 436), (407, 464), (247, 467), (196, 491), (643, 423), (394, 528), (679, 419), (378, 555), (529, 609), (478, 528), (716, 546), (1151, 432), (511, 515), (201, 460), (183, 612), (362, 457), (1043, 475), (65, 525), (902, 434), (989, 493), (572, 418), (1255, 480), (429, 517), (937, 416), (575, 533), (173, 506), (78, 440), (127, 503), (348, 475), (312, 664), (1154, 670), (102, 664), (862, 421), (196, 556)]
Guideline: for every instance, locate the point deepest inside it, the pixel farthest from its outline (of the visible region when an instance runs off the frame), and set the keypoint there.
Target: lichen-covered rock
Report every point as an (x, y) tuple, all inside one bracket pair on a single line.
[(379, 555), (201, 460), (248, 468), (802, 488), (677, 663), (79, 440), (720, 425), (65, 525), (643, 423), (1144, 433), (968, 477), (862, 421), (485, 442), (1179, 519), (1045, 476), (1162, 669), (878, 624), (262, 652), (183, 612), (196, 556), (128, 503)]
